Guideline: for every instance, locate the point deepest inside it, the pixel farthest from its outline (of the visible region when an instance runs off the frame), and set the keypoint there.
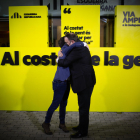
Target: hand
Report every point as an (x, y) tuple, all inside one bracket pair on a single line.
[(60, 54), (87, 47), (57, 59)]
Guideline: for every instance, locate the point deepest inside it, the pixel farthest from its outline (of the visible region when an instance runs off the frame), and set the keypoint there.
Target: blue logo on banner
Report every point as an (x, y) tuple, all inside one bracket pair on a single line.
[(130, 19)]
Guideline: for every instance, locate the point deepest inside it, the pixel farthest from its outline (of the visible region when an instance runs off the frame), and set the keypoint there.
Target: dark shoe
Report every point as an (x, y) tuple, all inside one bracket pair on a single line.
[(46, 127), (64, 128), (78, 135), (76, 128)]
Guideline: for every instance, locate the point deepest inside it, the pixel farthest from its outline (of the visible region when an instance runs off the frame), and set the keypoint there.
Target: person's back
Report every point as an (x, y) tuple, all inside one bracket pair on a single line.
[(62, 73)]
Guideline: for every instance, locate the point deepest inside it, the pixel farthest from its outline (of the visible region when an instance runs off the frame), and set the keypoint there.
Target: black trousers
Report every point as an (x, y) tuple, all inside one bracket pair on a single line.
[(84, 106)]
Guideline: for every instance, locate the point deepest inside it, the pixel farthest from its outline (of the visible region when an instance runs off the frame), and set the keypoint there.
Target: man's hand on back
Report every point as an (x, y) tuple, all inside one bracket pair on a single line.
[(60, 54), (85, 45)]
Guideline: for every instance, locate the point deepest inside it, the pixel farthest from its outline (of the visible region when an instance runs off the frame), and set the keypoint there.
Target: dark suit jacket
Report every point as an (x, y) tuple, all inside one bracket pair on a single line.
[(81, 69)]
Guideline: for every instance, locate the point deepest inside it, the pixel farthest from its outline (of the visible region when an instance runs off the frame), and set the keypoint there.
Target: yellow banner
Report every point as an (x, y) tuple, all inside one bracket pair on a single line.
[(82, 20), (27, 75), (28, 26), (127, 26)]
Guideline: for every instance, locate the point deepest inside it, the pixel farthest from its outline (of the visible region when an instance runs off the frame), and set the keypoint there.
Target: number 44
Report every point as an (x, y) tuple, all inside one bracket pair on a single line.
[(67, 10)]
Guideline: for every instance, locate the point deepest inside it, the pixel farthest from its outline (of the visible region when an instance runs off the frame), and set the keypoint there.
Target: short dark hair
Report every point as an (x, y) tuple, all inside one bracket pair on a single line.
[(72, 36), (61, 42)]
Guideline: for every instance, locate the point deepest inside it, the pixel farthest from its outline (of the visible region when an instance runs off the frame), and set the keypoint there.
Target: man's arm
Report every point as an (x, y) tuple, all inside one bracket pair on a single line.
[(76, 44), (68, 49), (74, 55)]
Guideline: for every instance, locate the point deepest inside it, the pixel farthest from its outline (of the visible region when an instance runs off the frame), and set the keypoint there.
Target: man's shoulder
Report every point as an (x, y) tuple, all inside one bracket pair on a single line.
[(82, 48), (79, 51)]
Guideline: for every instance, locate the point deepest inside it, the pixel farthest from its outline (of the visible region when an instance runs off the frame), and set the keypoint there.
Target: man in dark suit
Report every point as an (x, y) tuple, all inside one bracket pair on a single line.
[(82, 81)]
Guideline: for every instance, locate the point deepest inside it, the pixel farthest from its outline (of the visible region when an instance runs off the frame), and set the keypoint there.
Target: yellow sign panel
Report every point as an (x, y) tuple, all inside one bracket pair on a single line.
[(28, 26), (83, 21), (127, 26)]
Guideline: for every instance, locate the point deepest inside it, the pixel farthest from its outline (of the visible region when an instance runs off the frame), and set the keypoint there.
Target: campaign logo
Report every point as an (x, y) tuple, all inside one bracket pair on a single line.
[(16, 15), (130, 19), (26, 15)]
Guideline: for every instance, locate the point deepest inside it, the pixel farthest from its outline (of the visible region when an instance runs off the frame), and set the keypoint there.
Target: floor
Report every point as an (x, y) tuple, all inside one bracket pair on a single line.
[(23, 125)]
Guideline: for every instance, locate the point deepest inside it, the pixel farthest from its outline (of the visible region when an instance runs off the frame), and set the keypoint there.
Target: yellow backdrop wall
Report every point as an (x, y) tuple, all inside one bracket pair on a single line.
[(26, 85)]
